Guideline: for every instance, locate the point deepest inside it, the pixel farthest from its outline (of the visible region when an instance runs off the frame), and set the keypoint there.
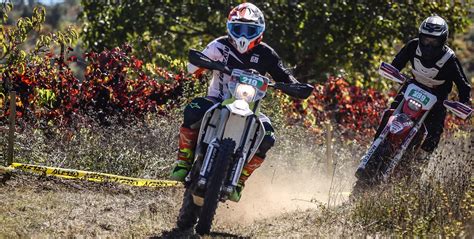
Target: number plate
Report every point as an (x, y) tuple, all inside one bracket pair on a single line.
[(253, 81), (426, 99), (420, 96)]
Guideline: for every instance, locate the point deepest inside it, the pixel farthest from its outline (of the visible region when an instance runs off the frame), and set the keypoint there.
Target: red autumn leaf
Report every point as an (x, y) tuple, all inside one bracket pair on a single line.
[(137, 64), (72, 58)]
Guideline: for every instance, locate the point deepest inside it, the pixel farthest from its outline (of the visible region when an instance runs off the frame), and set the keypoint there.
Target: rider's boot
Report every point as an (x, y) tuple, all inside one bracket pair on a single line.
[(187, 144), (248, 169)]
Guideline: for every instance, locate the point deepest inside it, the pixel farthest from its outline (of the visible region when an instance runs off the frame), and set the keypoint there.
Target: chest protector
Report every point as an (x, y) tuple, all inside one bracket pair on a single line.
[(426, 75)]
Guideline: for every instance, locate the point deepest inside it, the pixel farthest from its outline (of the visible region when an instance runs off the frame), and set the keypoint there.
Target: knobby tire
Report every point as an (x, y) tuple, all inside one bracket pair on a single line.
[(212, 195)]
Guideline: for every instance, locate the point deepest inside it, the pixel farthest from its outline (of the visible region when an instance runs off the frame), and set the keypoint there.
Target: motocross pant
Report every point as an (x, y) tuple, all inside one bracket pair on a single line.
[(434, 122), (194, 112)]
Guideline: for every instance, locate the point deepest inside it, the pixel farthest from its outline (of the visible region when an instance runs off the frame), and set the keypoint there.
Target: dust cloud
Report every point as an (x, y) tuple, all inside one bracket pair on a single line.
[(273, 189)]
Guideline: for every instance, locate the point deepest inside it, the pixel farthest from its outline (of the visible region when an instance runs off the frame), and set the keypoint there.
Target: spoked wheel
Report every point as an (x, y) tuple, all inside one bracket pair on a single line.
[(216, 180)]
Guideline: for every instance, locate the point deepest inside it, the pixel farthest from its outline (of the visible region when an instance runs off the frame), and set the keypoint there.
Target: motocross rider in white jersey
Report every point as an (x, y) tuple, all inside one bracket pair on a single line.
[(243, 49)]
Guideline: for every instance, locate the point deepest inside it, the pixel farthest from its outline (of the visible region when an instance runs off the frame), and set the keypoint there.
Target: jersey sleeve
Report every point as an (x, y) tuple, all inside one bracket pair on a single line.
[(405, 54), (461, 81), (278, 71), (210, 51)]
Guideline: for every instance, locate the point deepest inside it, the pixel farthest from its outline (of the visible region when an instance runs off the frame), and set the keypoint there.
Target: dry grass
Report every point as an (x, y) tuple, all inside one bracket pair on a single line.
[(293, 181), (440, 202), (144, 149), (44, 207)]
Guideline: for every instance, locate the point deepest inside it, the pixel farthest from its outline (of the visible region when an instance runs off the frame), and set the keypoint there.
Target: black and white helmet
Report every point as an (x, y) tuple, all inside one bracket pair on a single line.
[(432, 34)]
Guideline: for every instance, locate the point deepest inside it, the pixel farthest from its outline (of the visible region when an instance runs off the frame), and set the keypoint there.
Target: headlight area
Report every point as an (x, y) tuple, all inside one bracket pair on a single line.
[(414, 105), (245, 92)]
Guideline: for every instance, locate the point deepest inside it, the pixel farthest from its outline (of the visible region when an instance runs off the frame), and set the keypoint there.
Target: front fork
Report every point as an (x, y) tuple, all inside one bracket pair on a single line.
[(241, 154), (373, 148), (212, 149), (401, 151)]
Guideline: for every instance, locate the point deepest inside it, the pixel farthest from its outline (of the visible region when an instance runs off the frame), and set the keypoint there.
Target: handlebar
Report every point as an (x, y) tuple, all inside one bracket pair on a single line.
[(197, 58), (390, 72), (297, 90)]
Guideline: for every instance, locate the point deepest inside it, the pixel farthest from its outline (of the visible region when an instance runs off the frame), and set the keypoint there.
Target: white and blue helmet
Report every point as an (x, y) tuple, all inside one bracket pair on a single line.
[(245, 26)]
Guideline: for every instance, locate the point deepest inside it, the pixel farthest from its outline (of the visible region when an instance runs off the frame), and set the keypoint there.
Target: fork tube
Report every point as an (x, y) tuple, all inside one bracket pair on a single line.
[(208, 159), (237, 170), (223, 121), (394, 162), (379, 140)]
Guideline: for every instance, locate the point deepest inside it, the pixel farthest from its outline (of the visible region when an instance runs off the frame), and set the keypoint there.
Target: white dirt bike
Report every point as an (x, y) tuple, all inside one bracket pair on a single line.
[(229, 136)]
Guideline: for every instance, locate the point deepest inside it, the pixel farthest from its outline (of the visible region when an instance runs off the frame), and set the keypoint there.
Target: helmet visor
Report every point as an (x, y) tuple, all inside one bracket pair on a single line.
[(248, 31), (430, 41)]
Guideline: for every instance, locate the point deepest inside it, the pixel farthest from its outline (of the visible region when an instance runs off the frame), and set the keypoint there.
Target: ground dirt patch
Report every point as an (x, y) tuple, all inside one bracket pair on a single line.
[(43, 207), (287, 197), (38, 206)]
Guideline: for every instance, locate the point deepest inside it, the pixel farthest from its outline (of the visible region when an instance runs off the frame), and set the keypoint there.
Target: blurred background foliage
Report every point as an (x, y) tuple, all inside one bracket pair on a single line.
[(96, 48), (315, 38)]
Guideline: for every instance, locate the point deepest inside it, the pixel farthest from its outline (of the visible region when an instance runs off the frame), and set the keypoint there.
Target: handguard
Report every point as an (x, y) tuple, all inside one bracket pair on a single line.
[(297, 90), (459, 109)]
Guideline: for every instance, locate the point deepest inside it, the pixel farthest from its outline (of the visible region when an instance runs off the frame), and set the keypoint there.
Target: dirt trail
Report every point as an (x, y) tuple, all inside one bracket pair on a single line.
[(281, 199), (42, 207)]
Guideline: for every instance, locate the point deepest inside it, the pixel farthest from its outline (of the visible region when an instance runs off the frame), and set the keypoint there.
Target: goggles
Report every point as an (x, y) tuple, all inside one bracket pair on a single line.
[(248, 31), (430, 41)]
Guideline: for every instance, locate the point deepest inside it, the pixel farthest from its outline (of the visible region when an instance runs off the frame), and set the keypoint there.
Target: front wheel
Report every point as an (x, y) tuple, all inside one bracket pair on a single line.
[(189, 212), (216, 180), (372, 174)]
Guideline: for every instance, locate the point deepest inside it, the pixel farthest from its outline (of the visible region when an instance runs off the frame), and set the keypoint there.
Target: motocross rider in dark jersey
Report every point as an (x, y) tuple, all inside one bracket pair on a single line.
[(242, 48), (435, 66)]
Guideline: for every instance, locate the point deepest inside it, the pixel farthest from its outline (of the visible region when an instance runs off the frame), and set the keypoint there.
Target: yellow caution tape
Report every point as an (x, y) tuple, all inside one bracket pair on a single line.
[(92, 176)]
